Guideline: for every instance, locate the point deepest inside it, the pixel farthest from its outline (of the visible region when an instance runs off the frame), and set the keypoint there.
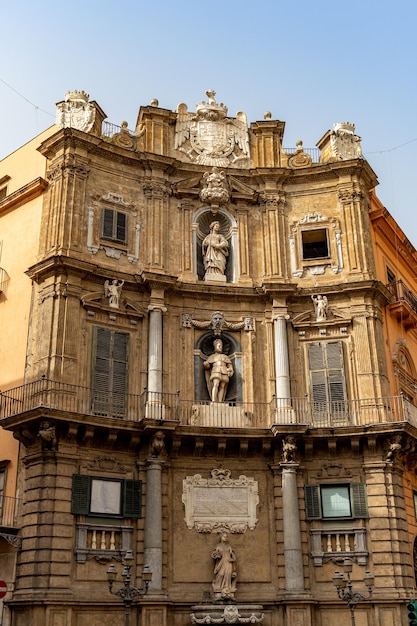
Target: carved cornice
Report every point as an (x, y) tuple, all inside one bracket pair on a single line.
[(25, 194)]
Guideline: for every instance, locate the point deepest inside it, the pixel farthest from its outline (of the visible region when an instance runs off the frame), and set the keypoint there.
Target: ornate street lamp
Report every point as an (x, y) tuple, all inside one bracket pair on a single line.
[(127, 593), (343, 584)]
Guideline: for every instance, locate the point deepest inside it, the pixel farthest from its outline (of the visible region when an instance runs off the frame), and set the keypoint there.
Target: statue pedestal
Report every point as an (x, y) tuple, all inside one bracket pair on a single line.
[(227, 614), (215, 278), (221, 415)]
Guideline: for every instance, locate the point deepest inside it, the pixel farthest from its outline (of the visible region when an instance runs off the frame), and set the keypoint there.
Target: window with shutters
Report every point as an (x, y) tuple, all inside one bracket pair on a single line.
[(106, 497), (114, 226), (109, 372), (336, 501), (327, 379)]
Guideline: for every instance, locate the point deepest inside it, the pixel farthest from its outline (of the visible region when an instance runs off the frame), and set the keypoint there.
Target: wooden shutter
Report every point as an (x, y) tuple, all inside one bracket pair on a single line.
[(327, 378), (109, 372), (121, 223), (132, 498), (80, 502), (107, 226), (359, 500), (335, 372), (312, 499)]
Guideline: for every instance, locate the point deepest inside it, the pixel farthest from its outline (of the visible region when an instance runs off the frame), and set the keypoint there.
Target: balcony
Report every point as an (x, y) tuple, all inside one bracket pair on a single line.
[(337, 544), (8, 512), (66, 401), (403, 305)]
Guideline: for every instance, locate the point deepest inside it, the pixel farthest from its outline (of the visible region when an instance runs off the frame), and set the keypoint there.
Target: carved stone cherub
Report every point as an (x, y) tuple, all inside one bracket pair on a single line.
[(392, 447), (289, 448), (47, 435)]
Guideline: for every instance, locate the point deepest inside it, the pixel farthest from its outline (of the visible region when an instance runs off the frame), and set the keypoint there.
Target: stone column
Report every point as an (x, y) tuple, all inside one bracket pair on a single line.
[(153, 522), (155, 350), (285, 413), (293, 556)]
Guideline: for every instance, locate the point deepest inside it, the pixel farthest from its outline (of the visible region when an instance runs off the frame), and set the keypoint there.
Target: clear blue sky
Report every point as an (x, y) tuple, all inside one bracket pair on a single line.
[(310, 63)]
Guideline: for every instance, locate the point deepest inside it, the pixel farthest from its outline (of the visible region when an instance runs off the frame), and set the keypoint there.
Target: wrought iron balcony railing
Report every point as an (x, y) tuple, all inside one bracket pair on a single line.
[(72, 400), (404, 304)]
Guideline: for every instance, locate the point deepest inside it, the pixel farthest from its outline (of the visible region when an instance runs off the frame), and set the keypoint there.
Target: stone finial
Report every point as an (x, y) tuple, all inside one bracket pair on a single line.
[(267, 115), (154, 102)]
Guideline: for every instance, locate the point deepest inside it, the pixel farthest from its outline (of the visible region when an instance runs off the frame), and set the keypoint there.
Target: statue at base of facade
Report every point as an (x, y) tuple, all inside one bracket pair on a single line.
[(219, 370), (224, 583)]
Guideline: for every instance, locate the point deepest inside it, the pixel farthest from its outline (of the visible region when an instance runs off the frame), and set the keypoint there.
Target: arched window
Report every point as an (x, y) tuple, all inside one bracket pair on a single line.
[(203, 349)]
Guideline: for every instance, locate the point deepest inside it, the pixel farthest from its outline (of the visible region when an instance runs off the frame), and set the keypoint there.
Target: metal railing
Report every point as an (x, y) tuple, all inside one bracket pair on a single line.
[(402, 293), (8, 511), (74, 399), (313, 152)]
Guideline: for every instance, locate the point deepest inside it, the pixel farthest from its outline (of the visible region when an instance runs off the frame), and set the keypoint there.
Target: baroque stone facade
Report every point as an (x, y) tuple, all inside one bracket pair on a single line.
[(206, 366)]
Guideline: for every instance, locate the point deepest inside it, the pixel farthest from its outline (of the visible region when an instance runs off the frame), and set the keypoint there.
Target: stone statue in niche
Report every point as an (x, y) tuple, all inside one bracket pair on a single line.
[(219, 370), (320, 307), (224, 583), (215, 252), (112, 291)]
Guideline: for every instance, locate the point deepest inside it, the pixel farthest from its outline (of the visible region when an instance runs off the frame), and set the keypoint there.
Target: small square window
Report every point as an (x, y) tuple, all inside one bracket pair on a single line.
[(335, 501), (315, 244), (106, 497), (114, 226)]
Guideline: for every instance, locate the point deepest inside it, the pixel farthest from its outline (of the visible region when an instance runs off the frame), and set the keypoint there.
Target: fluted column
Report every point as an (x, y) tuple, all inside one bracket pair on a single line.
[(282, 366), (293, 556), (153, 522), (155, 349)]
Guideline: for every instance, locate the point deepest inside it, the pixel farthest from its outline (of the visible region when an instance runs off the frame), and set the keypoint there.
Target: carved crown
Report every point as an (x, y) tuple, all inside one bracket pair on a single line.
[(77, 95), (211, 110), (346, 126)]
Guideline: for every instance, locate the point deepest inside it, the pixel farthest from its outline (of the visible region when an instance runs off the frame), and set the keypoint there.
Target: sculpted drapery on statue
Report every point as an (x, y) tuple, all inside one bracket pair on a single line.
[(215, 251), (224, 583), (219, 369)]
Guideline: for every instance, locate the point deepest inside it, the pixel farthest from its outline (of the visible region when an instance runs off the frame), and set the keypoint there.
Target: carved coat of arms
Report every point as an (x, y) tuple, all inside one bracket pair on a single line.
[(209, 137), (75, 112)]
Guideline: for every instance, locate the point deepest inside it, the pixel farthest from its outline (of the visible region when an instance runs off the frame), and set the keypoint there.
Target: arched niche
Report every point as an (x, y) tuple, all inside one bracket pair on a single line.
[(228, 228), (204, 347)]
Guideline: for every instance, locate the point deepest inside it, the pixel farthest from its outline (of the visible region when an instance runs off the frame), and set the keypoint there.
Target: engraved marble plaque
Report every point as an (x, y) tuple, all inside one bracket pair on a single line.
[(220, 503)]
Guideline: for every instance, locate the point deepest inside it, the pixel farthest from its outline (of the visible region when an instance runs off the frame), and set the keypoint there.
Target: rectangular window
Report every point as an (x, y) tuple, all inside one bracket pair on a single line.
[(106, 497), (336, 501), (114, 226), (3, 193), (327, 377), (315, 244), (109, 372)]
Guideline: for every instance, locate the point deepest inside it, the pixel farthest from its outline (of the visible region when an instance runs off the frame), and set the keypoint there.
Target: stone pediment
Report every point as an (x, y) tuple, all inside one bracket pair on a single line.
[(96, 302), (307, 319)]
